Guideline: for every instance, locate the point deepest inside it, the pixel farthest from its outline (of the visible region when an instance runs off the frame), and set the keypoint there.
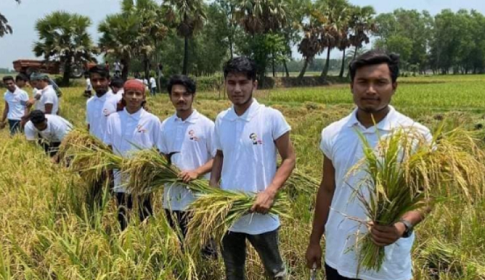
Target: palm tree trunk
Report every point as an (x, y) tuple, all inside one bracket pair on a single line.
[(341, 75), (327, 64), (67, 71), (273, 64), (126, 68), (355, 52), (286, 69), (186, 55), (146, 63), (303, 70)]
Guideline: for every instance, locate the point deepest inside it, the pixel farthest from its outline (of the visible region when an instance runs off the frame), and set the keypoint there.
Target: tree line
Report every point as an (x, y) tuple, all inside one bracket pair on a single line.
[(195, 37)]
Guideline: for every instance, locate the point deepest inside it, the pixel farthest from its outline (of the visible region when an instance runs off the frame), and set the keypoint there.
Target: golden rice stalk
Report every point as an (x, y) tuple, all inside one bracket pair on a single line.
[(214, 212), (406, 170), (88, 156), (300, 184)]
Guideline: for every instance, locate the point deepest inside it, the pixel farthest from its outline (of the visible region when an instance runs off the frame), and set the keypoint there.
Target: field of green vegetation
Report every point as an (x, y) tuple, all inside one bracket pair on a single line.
[(47, 232)]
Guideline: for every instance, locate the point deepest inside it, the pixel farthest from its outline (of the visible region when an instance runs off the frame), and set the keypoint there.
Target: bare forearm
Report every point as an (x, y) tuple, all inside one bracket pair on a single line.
[(282, 174), (216, 169), (322, 208), (206, 168)]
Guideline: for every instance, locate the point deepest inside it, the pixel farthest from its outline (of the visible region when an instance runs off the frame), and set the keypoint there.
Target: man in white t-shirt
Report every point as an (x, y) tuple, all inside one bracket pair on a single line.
[(153, 85), (187, 142), (15, 106), (126, 132), (88, 91), (48, 101), (373, 83), (97, 111), (116, 92), (248, 138), (48, 130)]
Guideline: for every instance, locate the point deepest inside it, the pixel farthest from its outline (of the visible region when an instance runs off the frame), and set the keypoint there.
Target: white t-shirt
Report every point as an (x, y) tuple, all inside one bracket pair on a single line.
[(57, 129), (97, 114), (341, 144), (89, 86), (250, 153), (48, 96), (127, 133), (191, 141), (17, 102), (153, 82)]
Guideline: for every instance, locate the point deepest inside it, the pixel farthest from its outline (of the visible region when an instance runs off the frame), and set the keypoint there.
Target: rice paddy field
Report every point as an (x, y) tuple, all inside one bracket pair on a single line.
[(48, 232)]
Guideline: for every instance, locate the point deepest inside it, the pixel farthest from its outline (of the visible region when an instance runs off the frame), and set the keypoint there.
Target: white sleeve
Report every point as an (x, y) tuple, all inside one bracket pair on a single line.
[(30, 133), (211, 147), (163, 147), (326, 144), (50, 97), (61, 131), (87, 112), (157, 135), (216, 141), (24, 96), (280, 126), (108, 132)]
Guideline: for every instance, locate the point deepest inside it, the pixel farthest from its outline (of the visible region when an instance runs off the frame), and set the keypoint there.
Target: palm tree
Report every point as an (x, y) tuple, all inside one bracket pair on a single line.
[(261, 17), (333, 16), (309, 46), (135, 32), (64, 37), (361, 23), (5, 28), (188, 17)]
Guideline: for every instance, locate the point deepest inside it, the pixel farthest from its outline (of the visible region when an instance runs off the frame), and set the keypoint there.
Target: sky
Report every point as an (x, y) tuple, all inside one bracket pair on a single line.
[(24, 16)]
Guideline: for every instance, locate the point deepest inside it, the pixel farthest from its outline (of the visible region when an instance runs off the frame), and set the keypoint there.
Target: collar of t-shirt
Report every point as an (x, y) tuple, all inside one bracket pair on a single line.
[(191, 119), (248, 115), (137, 116), (385, 124), (16, 91)]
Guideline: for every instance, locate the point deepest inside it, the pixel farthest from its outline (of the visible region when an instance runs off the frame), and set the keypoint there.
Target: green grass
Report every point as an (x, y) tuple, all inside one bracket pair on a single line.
[(46, 233)]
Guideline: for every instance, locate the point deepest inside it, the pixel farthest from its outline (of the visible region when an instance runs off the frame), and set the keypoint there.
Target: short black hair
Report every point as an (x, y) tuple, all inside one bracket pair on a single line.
[(117, 82), (242, 64), (374, 57), (100, 70), (182, 80), (22, 77), (37, 117), (8, 78)]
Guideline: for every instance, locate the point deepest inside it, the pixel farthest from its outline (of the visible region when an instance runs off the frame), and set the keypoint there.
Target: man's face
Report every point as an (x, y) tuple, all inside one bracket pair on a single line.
[(372, 87), (10, 84), (33, 83), (41, 126), (240, 88), (41, 84), (115, 89), (133, 99), (181, 99), (21, 83), (100, 84)]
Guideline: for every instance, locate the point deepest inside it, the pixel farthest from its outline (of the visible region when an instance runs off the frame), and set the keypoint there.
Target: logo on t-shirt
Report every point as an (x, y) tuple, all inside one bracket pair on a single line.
[(140, 129), (254, 137), (106, 112), (192, 135)]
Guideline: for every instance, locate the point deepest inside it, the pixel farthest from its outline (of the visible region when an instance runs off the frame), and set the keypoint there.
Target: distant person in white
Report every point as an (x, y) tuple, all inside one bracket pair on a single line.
[(47, 102), (15, 106), (187, 143), (126, 132), (97, 111), (248, 138), (48, 130), (116, 92), (373, 83), (88, 91), (153, 85)]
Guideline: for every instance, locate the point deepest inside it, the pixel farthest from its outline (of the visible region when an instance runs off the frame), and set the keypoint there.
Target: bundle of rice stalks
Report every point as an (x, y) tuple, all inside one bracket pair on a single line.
[(406, 170), (300, 184), (149, 171), (214, 213), (88, 156)]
